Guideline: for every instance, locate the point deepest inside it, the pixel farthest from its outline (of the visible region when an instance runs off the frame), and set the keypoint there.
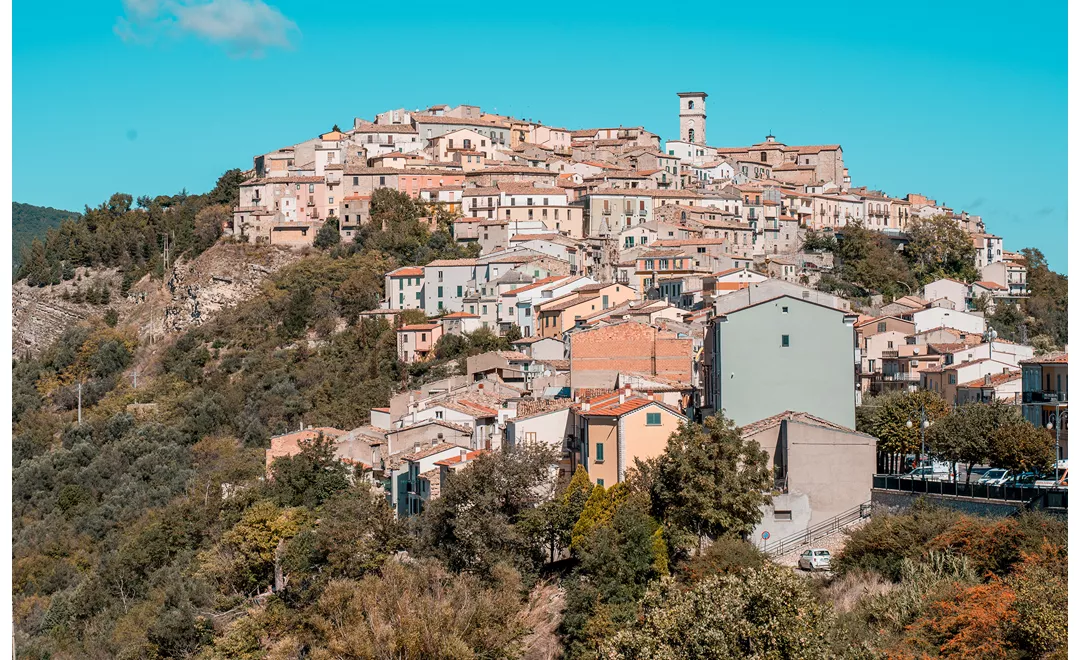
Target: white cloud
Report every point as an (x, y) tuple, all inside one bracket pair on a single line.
[(244, 27)]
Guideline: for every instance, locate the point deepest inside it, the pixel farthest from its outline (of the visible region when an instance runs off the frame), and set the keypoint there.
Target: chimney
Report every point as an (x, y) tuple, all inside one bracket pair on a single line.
[(622, 397), (464, 453), (986, 380), (585, 407), (416, 447)]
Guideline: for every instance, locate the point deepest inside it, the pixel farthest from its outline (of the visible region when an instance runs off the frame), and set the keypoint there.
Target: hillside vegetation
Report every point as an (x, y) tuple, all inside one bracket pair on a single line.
[(151, 530), (29, 222)]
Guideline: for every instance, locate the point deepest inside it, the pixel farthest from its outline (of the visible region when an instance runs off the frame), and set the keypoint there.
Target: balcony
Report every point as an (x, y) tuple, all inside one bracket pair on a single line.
[(890, 354), (902, 377), (1046, 397), (642, 212)]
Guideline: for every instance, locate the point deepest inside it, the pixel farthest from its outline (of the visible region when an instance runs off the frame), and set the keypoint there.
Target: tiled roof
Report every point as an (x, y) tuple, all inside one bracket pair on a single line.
[(384, 128), (431, 451), (416, 327), (993, 286), (1059, 357), (453, 262), (407, 271), (995, 380), (536, 284), (612, 407), (768, 422), (454, 460)]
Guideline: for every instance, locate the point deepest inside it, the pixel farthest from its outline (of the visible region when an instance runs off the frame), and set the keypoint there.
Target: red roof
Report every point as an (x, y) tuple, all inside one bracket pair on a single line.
[(416, 327), (407, 271), (461, 315)]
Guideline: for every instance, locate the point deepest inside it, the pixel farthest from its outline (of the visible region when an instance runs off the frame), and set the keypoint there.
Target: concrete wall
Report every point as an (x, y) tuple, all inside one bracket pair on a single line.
[(754, 376)]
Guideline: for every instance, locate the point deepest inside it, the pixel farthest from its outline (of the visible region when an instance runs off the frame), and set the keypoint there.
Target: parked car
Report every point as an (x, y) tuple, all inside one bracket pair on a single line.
[(930, 472), (994, 477), (1024, 479), (816, 559)]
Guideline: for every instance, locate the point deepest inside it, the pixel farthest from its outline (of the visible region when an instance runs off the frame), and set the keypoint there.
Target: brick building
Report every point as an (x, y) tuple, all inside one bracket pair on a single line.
[(599, 355)]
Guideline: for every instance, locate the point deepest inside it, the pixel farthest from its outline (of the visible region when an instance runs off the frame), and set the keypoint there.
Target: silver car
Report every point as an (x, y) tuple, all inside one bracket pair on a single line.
[(815, 559)]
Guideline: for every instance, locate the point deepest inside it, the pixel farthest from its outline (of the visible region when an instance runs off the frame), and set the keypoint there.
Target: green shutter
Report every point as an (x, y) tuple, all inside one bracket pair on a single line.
[(599, 452)]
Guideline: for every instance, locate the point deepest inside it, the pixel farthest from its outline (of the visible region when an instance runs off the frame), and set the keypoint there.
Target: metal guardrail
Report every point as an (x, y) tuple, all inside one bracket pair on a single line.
[(1044, 497), (820, 530)]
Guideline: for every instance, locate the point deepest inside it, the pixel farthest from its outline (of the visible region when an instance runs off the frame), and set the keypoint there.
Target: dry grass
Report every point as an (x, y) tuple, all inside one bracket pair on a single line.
[(846, 591)]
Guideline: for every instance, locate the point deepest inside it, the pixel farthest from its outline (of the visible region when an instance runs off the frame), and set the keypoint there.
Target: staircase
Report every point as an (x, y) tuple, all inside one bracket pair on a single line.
[(818, 531)]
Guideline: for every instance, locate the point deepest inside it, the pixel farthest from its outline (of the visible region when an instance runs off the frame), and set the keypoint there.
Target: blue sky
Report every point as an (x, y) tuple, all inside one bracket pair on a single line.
[(964, 102)]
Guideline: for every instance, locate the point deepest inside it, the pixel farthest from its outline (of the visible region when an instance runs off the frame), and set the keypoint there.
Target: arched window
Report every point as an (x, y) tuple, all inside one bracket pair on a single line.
[(690, 105), (690, 135)]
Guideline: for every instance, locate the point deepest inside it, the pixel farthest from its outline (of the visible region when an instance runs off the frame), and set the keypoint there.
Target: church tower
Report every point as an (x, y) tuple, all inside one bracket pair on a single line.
[(692, 117)]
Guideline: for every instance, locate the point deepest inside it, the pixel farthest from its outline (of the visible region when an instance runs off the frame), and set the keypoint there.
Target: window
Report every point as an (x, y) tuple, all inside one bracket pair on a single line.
[(440, 292), (785, 341), (689, 105), (599, 482), (356, 180), (459, 291), (782, 516), (438, 414), (599, 452), (952, 379), (784, 310), (652, 419), (423, 336), (382, 180)]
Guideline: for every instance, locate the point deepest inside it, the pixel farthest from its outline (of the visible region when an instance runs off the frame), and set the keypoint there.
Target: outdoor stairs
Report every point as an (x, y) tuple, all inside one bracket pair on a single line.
[(819, 531)]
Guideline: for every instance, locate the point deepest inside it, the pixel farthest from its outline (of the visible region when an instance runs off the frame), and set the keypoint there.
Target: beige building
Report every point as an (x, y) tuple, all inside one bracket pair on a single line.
[(616, 428), (820, 469)]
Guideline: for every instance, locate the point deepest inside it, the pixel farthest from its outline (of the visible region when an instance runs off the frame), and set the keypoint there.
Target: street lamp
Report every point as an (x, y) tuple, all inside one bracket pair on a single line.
[(925, 424)]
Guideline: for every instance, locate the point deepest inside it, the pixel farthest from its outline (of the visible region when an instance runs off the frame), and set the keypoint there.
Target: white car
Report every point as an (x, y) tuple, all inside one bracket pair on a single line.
[(815, 559), (994, 477)]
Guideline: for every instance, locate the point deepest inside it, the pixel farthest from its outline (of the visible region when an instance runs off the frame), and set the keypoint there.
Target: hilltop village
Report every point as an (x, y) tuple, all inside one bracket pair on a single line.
[(640, 284)]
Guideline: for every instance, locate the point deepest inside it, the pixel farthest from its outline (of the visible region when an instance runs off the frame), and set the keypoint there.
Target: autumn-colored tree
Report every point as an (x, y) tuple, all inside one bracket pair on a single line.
[(971, 624)]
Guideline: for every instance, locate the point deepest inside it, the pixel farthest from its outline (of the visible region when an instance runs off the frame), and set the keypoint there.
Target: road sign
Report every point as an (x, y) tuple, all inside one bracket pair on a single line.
[(765, 535)]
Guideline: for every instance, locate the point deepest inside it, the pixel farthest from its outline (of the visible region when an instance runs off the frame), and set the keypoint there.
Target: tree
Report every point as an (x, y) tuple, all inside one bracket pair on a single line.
[(227, 190), (963, 436), (474, 523), (310, 477), (939, 247), (1021, 446), (357, 532), (730, 480), (418, 610), (765, 613), (618, 559), (209, 223), (888, 421), (551, 524), (329, 234), (868, 262), (597, 511)]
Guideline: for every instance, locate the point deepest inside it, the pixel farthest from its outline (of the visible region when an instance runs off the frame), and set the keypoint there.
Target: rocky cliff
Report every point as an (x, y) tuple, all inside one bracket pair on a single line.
[(193, 293)]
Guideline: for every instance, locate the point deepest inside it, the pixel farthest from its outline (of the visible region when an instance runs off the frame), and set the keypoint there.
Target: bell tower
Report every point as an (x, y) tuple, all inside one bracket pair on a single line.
[(692, 117)]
